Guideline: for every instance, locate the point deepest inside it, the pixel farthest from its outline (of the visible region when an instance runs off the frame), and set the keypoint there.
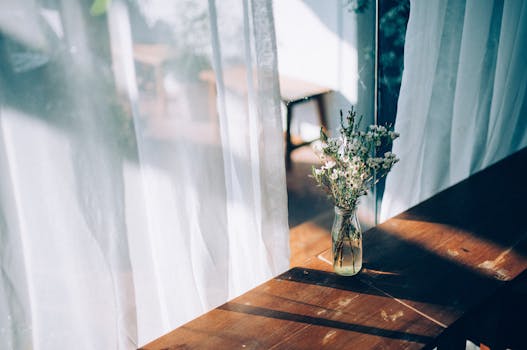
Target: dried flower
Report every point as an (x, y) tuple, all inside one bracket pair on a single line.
[(351, 166)]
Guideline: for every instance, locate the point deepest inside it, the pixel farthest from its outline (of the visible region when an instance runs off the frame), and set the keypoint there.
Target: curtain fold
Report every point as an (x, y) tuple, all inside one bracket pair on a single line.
[(141, 160), (462, 104)]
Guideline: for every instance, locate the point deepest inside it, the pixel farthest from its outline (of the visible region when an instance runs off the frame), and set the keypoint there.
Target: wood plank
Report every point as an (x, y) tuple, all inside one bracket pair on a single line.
[(305, 309), (449, 253), (310, 238)]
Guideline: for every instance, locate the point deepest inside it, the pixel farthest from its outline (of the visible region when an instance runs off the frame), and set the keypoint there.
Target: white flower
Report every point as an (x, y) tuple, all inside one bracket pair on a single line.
[(348, 163), (343, 145), (317, 147), (330, 164), (356, 182), (393, 135), (373, 163)]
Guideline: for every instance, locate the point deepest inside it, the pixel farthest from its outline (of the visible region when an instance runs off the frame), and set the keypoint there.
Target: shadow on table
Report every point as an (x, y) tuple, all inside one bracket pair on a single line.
[(401, 269), (483, 205), (403, 272), (318, 321)]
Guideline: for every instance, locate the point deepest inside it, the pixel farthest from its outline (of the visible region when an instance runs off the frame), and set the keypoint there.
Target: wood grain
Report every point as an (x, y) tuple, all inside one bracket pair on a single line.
[(425, 272), (304, 309), (449, 253)]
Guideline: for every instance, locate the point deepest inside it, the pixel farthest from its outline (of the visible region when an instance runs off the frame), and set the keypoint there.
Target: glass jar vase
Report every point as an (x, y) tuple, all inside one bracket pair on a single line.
[(346, 238)]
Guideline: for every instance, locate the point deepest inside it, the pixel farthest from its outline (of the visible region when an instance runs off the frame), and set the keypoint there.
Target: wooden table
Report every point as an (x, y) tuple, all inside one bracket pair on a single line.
[(426, 271)]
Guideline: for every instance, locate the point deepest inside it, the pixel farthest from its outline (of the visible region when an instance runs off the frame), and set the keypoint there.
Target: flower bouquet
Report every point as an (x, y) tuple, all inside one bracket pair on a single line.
[(351, 166)]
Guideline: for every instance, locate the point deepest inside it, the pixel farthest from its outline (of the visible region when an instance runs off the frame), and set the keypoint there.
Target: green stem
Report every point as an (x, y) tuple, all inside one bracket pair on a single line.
[(338, 249)]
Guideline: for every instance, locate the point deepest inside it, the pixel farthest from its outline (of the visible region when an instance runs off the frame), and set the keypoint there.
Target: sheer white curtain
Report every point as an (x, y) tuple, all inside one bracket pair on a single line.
[(463, 102), (141, 166)]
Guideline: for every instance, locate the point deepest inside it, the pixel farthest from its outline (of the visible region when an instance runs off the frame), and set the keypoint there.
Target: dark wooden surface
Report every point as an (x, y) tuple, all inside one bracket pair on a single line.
[(425, 271)]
